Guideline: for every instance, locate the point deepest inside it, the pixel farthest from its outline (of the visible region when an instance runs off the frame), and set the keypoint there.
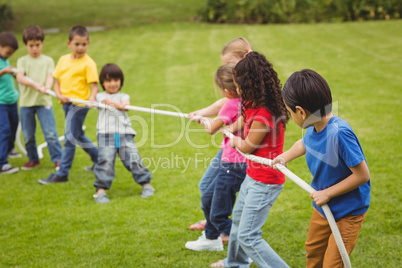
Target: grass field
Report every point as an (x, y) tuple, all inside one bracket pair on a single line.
[(111, 14), (173, 64)]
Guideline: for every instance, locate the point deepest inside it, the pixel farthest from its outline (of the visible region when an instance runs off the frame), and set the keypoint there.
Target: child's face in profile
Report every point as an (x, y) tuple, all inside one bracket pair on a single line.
[(112, 85), (6, 52), (34, 48), (79, 46)]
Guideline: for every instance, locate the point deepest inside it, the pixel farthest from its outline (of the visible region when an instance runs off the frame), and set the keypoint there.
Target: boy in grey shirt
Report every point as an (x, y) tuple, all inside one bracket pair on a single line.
[(116, 136)]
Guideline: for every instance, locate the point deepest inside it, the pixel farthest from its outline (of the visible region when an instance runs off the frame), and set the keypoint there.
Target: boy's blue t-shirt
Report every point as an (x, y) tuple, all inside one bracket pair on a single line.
[(329, 155), (8, 93)]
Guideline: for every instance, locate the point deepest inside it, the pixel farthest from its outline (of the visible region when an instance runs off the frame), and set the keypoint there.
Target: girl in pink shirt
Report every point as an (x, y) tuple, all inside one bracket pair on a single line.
[(264, 116), (219, 198)]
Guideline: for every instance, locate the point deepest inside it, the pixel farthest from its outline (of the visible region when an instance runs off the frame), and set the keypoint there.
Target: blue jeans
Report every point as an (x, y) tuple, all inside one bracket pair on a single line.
[(47, 122), (249, 215), (75, 117), (210, 173), (8, 129), (219, 199), (129, 156)]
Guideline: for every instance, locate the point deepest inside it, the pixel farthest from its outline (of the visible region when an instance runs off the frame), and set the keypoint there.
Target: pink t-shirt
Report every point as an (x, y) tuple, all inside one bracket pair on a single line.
[(229, 114)]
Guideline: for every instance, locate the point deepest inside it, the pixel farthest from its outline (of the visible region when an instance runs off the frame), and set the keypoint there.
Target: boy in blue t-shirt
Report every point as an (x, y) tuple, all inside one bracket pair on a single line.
[(8, 102), (336, 161)]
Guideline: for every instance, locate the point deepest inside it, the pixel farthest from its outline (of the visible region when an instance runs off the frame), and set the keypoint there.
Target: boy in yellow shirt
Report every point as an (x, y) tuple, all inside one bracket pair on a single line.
[(75, 73)]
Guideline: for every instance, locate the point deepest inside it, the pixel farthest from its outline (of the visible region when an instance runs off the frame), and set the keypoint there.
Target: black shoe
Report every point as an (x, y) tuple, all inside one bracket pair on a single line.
[(53, 178)]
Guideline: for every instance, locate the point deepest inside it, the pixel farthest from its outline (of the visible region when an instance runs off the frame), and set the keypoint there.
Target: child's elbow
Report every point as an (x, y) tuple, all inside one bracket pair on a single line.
[(210, 131), (367, 177)]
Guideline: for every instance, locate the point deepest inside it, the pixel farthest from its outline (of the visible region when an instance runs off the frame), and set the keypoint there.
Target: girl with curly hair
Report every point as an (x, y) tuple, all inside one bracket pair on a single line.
[(264, 116)]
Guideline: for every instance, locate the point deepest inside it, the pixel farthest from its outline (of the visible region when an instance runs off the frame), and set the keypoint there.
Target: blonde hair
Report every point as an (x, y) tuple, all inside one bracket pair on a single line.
[(238, 47), (224, 77)]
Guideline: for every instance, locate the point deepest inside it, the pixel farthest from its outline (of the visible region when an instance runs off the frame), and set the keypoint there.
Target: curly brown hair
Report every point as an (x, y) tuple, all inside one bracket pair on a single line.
[(260, 86)]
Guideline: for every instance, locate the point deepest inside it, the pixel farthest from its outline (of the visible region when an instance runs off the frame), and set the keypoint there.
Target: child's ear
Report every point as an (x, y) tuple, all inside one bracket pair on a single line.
[(302, 112)]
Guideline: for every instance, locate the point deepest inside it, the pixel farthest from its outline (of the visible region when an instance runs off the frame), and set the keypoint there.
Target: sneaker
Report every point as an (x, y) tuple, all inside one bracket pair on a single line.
[(147, 191), (90, 169), (14, 154), (57, 165), (8, 169), (204, 243), (30, 165), (101, 198), (53, 178)]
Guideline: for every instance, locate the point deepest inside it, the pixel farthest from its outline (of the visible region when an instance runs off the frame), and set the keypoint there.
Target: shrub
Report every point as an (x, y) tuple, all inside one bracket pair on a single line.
[(294, 11), (6, 16)]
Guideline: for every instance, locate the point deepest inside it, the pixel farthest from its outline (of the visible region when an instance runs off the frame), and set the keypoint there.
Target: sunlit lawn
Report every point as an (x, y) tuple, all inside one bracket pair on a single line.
[(173, 64)]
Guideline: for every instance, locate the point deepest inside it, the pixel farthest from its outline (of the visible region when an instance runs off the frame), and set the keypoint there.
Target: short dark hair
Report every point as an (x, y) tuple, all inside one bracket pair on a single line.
[(32, 32), (8, 39), (111, 71), (309, 90), (78, 30)]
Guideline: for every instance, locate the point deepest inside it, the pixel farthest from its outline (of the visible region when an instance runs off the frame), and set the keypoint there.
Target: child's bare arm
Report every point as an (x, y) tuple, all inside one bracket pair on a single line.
[(49, 81), (257, 132), (95, 90), (7, 70), (360, 175), (118, 105), (211, 110), (56, 88), (294, 152), (236, 126), (27, 82), (212, 125)]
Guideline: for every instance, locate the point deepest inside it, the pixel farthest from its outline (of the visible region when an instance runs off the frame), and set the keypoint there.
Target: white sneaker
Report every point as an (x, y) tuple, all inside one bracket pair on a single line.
[(205, 244)]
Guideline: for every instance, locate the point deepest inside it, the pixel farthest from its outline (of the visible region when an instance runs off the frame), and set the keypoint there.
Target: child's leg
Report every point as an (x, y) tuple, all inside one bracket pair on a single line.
[(71, 127), (317, 240), (48, 125), (4, 134), (259, 200), (227, 184), (236, 257), (211, 172), (206, 202), (28, 125), (13, 119), (77, 135), (349, 227), (131, 159), (104, 168)]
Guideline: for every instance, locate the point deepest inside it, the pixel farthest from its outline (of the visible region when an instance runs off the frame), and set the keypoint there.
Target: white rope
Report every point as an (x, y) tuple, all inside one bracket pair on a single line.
[(90, 103), (128, 107), (309, 189)]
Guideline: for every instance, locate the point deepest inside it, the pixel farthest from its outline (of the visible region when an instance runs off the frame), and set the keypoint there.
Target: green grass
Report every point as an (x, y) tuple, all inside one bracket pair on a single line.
[(173, 63), (111, 14)]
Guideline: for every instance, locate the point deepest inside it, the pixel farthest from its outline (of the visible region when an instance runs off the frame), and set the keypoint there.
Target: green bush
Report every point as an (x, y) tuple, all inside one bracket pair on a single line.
[(6, 16), (294, 11)]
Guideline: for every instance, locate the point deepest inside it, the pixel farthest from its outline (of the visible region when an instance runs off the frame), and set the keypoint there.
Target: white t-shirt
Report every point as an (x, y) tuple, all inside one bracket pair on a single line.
[(112, 121)]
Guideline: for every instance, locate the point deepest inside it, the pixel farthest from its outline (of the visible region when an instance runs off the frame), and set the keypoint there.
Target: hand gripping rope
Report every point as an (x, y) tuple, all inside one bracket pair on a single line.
[(309, 189)]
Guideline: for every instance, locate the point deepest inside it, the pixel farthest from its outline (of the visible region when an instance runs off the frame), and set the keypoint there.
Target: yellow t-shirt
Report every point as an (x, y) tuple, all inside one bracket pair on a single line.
[(75, 76)]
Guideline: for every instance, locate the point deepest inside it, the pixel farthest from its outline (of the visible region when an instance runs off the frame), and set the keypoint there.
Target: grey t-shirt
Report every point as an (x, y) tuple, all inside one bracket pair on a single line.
[(113, 120)]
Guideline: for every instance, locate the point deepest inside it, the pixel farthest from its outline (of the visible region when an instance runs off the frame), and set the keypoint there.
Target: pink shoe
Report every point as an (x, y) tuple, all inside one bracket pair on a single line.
[(217, 264), (200, 225)]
